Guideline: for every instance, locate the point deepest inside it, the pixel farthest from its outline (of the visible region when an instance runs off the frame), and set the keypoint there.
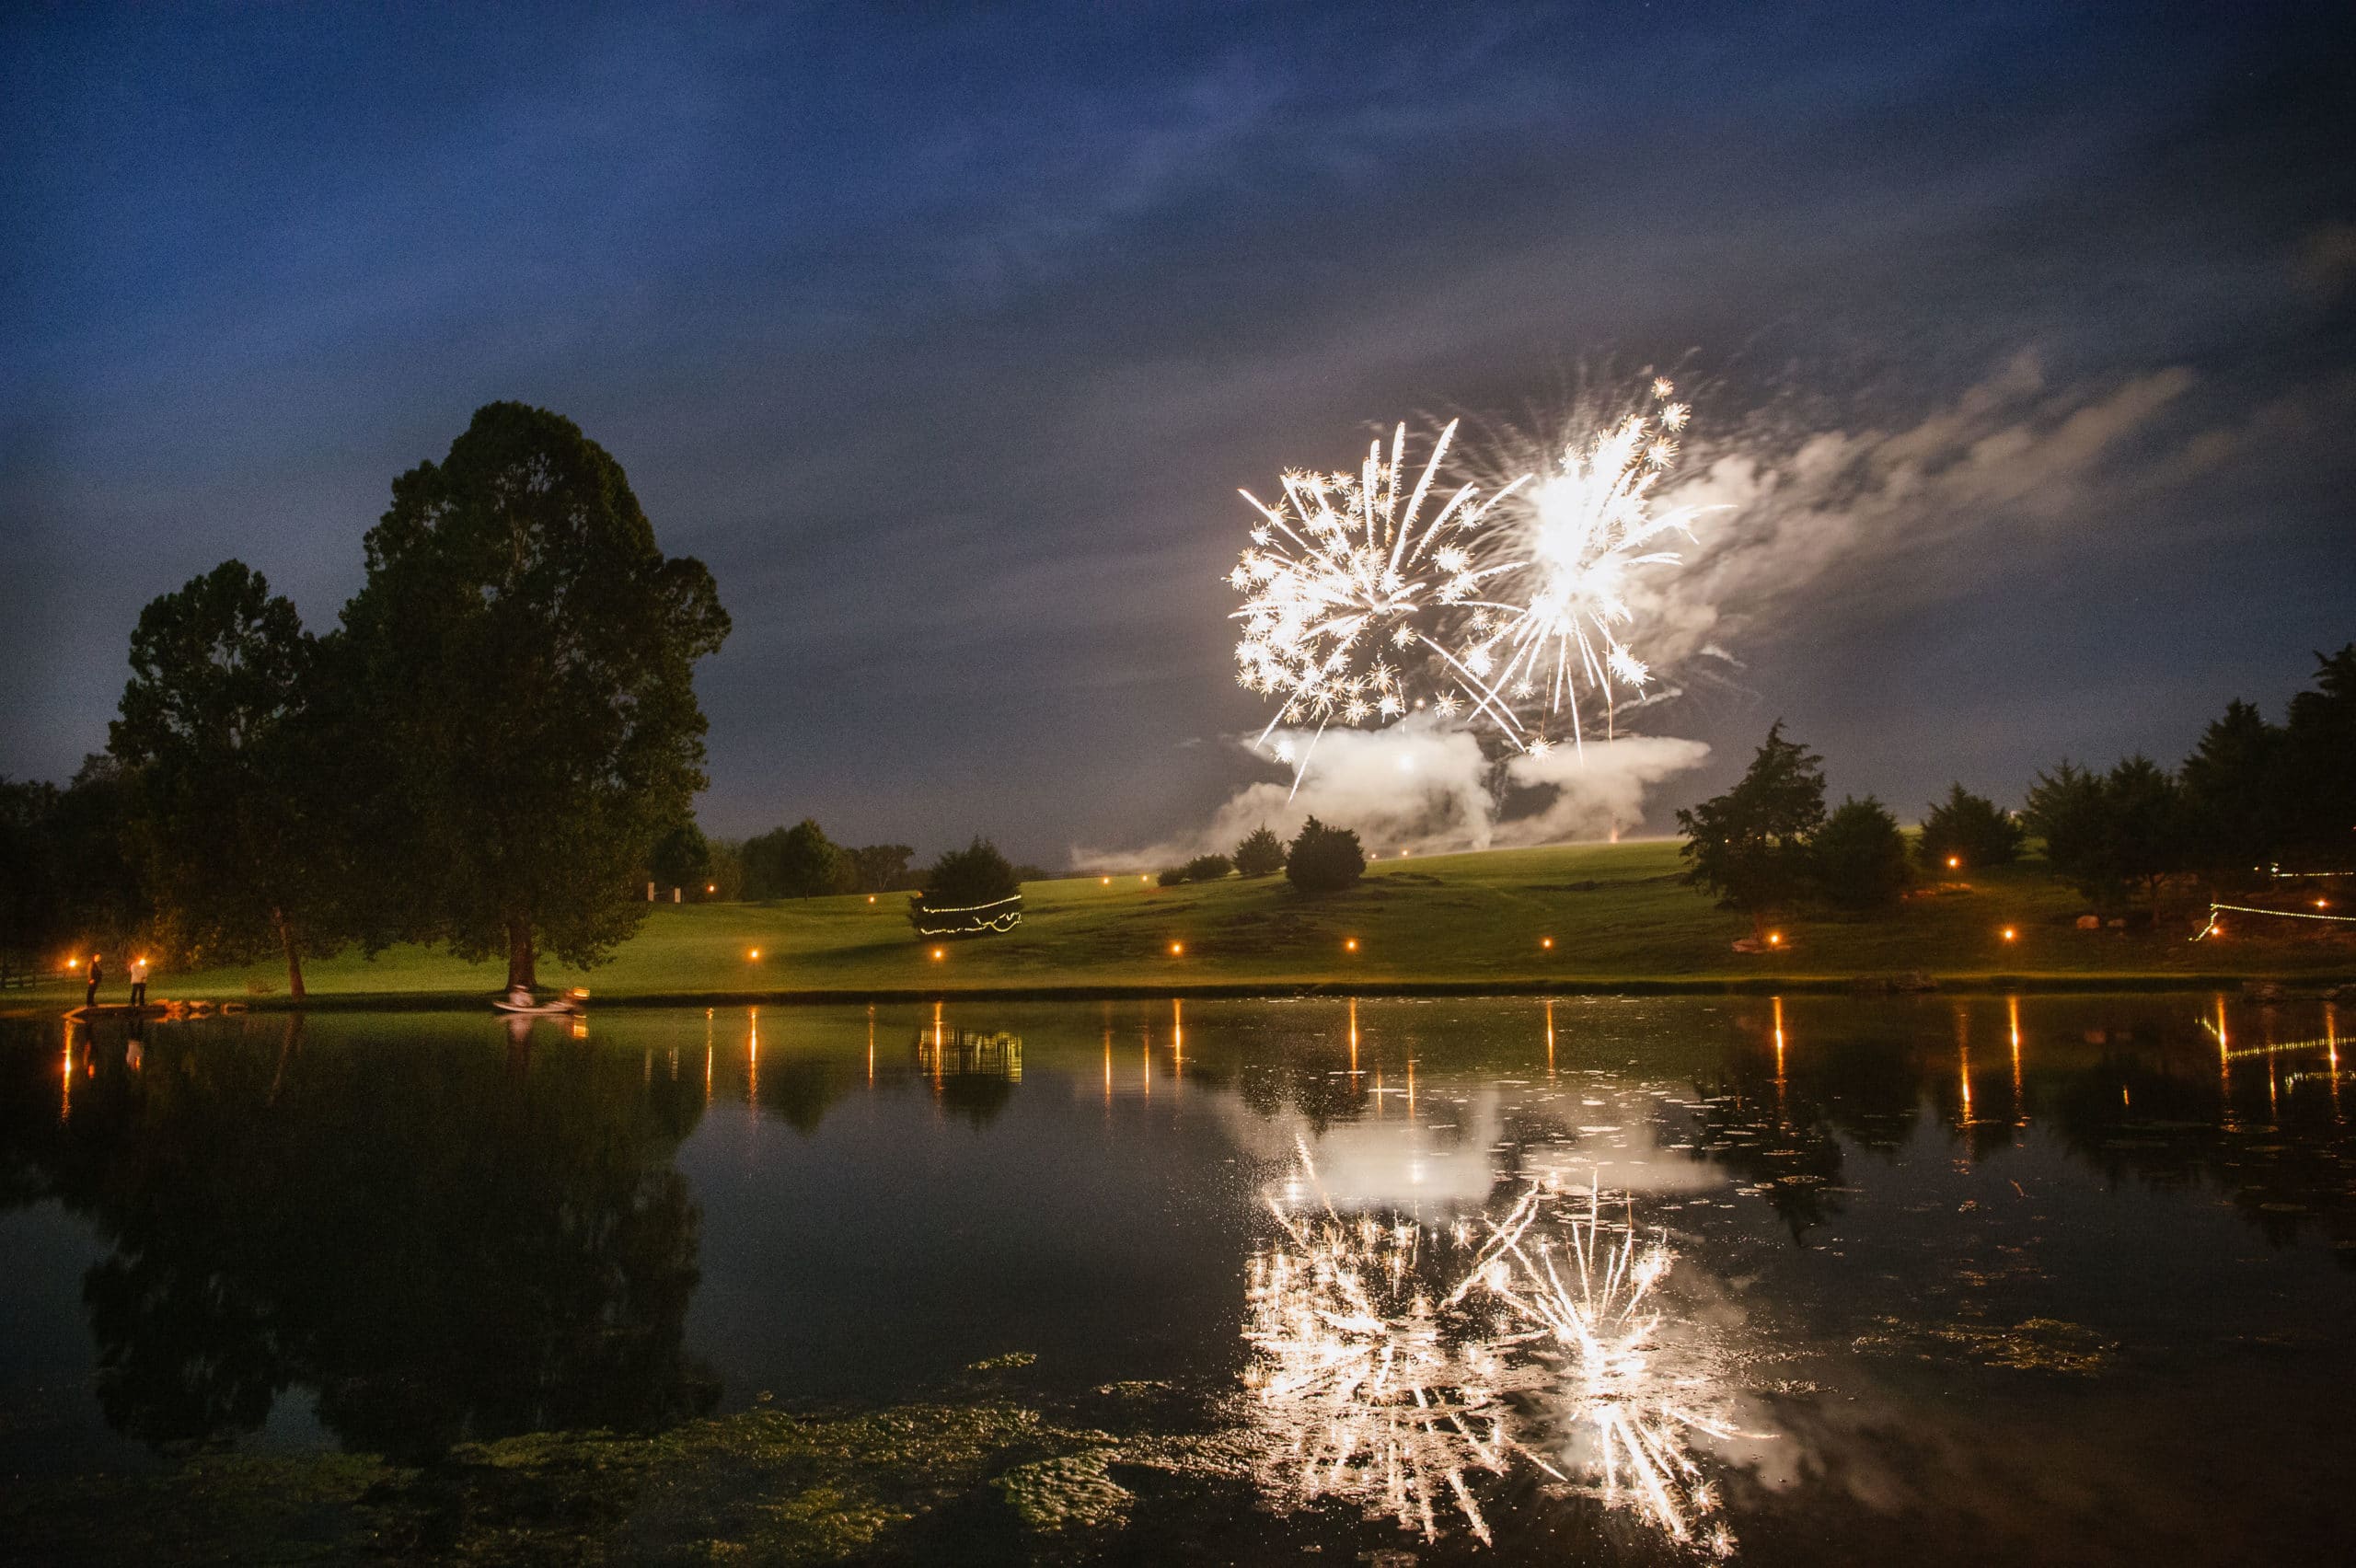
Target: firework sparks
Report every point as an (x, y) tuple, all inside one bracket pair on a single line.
[(1550, 612), (1380, 1383), (1338, 571)]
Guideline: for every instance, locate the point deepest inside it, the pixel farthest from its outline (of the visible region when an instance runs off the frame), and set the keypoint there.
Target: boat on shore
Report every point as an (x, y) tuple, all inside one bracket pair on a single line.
[(572, 1001)]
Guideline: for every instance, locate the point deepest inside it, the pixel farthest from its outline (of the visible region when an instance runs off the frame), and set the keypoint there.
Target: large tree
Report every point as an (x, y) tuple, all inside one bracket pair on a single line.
[(527, 653), (2232, 796), (230, 813), (2319, 769), (1750, 845)]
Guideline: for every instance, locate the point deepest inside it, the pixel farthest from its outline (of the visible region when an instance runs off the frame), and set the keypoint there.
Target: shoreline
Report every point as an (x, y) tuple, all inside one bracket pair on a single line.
[(1862, 987)]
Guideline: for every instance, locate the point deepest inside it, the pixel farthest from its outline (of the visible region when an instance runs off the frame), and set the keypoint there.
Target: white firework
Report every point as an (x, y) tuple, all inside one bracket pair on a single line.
[(1341, 571), (1553, 616)]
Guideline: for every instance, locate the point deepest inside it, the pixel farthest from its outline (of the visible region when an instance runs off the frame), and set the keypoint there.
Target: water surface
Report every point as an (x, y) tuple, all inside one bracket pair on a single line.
[(1811, 1280)]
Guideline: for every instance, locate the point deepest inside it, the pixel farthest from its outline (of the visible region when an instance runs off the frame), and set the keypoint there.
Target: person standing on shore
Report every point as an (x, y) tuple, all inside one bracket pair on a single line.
[(139, 981), (90, 991)]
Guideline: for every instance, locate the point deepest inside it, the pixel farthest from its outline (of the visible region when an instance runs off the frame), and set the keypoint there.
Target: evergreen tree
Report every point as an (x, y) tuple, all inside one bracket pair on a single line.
[(1262, 854), (2233, 796), (1860, 857), (1972, 830), (1750, 846), (1324, 860)]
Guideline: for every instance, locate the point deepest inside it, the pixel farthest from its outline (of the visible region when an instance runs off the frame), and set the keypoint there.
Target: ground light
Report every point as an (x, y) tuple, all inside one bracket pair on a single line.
[(1547, 943), (871, 898), (755, 955), (1774, 938), (1176, 949), (1351, 945), (939, 953), (1955, 863), (2009, 933)]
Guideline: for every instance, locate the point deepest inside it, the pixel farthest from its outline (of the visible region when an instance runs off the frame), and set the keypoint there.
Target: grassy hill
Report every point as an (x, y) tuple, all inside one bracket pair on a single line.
[(1616, 915)]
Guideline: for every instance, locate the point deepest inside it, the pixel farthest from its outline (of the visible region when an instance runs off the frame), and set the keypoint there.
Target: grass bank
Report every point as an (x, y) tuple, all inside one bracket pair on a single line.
[(1569, 918)]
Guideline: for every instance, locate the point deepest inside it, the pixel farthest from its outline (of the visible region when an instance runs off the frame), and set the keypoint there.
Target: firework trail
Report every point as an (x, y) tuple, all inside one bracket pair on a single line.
[(1379, 1384), (1338, 571)]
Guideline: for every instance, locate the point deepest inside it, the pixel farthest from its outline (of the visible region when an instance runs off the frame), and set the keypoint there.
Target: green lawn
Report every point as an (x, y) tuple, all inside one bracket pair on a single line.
[(1615, 913)]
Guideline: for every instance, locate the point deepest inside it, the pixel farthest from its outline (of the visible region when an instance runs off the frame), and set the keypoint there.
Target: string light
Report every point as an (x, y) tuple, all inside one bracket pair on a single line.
[(2212, 929), (1006, 919)]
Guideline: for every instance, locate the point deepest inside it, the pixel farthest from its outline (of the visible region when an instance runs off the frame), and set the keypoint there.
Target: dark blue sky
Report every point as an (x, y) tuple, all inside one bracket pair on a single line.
[(946, 335)]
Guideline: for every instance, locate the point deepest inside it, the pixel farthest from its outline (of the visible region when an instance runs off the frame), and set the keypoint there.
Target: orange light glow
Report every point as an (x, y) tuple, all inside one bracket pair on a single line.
[(1107, 881), (1177, 948), (755, 955), (1351, 946), (1546, 942), (939, 953), (1774, 938), (711, 887), (1954, 863), (871, 898), (2010, 933)]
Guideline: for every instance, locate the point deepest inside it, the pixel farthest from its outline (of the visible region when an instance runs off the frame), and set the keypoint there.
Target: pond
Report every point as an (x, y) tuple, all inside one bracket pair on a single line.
[(1800, 1280)]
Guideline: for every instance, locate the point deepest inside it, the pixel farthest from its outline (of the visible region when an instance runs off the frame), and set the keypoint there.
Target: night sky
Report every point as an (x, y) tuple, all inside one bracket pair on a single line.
[(946, 335)]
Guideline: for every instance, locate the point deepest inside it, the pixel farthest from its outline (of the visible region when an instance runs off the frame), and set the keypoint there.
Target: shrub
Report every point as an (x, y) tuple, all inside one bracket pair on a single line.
[(1860, 857), (972, 892), (1174, 877), (975, 874), (1209, 867), (1971, 829), (1324, 860), (1262, 854)]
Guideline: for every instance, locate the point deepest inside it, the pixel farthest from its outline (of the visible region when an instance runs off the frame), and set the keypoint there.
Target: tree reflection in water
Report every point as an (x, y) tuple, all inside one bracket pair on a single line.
[(444, 1240)]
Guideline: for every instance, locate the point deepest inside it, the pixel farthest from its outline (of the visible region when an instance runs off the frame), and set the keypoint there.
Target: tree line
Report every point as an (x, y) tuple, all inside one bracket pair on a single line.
[(484, 753), (2254, 798)]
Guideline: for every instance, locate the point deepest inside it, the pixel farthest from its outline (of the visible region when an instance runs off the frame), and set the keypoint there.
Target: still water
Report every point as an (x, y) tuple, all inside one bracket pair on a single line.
[(1810, 1280)]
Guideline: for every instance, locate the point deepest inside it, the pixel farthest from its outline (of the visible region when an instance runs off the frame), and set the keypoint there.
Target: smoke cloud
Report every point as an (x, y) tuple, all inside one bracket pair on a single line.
[(1424, 786)]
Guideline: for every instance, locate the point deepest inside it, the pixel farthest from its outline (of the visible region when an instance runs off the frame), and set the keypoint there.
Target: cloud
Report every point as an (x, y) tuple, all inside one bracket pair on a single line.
[(1425, 787), (1831, 517)]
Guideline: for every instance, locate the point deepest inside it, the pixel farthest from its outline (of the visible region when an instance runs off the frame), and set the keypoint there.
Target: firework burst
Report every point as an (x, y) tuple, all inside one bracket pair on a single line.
[(1550, 617), (1340, 571)]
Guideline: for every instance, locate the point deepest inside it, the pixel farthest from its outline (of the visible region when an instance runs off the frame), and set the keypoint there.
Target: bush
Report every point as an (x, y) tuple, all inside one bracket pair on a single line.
[(1860, 857), (1174, 877), (1209, 867), (1262, 854), (975, 874), (1970, 829), (968, 892), (1324, 860)]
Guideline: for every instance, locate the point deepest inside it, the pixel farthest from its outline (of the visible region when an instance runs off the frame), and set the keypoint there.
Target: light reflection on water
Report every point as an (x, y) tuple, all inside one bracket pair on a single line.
[(1924, 1276)]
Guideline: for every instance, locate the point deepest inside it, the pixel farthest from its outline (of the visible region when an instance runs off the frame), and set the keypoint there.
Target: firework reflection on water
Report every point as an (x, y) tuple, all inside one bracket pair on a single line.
[(1396, 1364)]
